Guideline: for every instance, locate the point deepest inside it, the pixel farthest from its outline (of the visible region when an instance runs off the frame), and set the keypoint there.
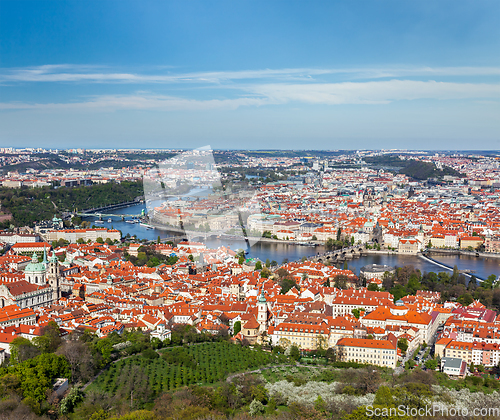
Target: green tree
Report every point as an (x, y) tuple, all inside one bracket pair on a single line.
[(153, 262), (331, 354), (286, 285), (71, 400), (410, 364), (372, 287), (489, 282), (403, 344), (383, 396), (340, 281), (472, 283), (431, 364), (294, 353), (466, 299), (22, 349), (398, 291), (50, 339), (105, 347), (99, 415), (99, 240), (237, 327), (36, 375), (357, 312), (320, 405), (258, 265), (256, 408)]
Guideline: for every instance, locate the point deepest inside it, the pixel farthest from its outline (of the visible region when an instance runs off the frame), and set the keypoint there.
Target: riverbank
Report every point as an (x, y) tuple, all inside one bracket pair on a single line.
[(463, 252), (229, 236)]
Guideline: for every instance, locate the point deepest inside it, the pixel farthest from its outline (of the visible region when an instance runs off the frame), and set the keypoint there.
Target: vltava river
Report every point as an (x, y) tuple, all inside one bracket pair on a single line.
[(481, 267)]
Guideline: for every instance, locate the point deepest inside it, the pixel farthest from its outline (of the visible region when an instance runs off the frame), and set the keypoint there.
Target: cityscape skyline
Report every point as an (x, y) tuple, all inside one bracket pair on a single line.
[(250, 75)]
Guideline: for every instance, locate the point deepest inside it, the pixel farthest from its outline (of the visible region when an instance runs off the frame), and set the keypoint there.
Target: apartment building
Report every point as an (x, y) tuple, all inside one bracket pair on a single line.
[(459, 349), (399, 315), (73, 235), (304, 336), (362, 350), (486, 354), (13, 315), (14, 238)]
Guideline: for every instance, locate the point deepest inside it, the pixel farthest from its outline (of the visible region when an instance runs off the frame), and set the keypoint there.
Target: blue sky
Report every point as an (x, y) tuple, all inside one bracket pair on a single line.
[(250, 74)]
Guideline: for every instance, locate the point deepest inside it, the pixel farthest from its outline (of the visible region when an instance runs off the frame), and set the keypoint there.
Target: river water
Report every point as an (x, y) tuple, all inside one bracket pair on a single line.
[(481, 267)]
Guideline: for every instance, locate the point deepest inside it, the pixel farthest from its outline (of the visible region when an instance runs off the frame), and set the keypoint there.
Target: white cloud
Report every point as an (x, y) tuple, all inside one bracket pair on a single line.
[(69, 73), (66, 73), (138, 102), (378, 92), (374, 92)]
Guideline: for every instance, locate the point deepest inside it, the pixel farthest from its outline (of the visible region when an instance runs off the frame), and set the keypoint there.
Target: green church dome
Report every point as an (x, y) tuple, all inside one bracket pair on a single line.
[(34, 266)]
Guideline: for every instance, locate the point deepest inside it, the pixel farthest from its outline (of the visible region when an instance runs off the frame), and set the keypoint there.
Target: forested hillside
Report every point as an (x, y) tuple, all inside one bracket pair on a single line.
[(28, 205), (424, 170)]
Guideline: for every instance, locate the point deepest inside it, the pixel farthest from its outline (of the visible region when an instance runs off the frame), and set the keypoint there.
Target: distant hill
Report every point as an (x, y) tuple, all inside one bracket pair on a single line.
[(40, 165), (57, 163), (425, 170), (412, 168)]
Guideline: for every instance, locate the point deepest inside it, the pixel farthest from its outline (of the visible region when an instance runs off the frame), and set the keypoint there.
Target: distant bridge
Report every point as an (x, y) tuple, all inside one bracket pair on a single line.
[(338, 255), (101, 215)]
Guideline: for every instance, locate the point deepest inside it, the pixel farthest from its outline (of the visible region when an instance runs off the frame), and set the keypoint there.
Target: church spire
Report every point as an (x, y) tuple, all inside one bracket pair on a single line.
[(44, 255), (262, 298)]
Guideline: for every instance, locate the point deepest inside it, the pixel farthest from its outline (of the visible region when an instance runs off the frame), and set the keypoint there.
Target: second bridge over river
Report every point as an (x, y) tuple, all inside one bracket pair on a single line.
[(339, 255)]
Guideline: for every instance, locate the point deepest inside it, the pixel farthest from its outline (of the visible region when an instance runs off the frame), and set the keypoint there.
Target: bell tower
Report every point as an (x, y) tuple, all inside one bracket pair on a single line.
[(53, 277), (262, 311)]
